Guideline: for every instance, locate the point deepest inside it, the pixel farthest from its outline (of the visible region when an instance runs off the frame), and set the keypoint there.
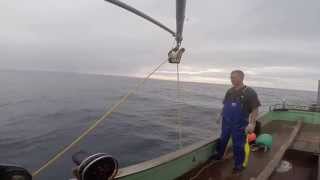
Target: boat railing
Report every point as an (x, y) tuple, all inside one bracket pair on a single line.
[(287, 107)]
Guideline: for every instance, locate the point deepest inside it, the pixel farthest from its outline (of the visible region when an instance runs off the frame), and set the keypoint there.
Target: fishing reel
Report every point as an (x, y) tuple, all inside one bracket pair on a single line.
[(10, 172), (175, 55), (98, 166)]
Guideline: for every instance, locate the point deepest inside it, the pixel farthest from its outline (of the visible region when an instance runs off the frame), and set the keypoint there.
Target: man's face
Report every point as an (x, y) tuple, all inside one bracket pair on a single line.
[(236, 79)]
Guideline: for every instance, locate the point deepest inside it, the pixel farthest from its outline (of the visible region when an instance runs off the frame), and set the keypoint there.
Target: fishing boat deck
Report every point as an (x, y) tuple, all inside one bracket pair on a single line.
[(304, 164)]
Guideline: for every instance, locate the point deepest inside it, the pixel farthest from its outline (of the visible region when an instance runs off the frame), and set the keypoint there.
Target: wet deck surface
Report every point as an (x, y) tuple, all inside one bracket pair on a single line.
[(304, 164), (304, 167)]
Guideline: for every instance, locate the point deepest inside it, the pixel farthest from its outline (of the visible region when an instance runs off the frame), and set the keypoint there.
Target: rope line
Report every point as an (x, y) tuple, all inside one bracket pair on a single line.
[(203, 168), (179, 119), (96, 122)]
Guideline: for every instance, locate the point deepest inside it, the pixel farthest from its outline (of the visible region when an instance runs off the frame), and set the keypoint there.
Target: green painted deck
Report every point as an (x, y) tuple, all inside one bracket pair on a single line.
[(292, 115)]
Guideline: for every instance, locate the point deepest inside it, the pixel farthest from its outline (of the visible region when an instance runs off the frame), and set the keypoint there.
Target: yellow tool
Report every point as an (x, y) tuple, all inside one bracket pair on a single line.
[(247, 153)]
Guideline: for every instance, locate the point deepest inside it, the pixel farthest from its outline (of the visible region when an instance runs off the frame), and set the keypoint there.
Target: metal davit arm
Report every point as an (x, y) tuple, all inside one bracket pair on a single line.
[(180, 15), (141, 14)]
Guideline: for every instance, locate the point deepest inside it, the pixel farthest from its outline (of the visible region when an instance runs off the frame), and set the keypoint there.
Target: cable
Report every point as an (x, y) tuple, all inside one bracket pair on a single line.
[(95, 123), (179, 119)]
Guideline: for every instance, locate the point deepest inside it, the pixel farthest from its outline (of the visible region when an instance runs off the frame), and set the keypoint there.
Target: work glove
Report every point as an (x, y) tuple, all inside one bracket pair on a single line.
[(250, 128)]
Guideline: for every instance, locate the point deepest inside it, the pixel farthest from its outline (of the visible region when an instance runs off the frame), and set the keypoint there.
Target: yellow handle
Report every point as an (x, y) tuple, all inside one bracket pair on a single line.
[(247, 153)]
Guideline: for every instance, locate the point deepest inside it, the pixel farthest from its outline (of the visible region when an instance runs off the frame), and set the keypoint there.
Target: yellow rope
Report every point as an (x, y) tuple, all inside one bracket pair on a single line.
[(96, 123)]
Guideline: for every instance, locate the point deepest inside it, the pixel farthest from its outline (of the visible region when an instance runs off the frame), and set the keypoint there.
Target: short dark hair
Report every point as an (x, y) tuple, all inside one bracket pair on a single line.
[(241, 73)]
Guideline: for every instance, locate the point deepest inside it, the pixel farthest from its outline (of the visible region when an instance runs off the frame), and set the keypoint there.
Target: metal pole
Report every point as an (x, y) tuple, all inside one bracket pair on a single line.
[(180, 15), (141, 14)]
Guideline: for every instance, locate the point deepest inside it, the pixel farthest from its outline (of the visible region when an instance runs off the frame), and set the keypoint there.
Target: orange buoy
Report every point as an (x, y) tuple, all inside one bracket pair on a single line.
[(251, 137)]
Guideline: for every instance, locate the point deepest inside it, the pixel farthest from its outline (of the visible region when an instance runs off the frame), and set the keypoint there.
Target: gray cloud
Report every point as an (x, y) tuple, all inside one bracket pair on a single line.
[(274, 41)]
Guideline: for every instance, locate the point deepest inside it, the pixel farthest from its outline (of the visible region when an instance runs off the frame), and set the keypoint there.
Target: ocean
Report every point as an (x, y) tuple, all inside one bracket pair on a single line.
[(41, 112)]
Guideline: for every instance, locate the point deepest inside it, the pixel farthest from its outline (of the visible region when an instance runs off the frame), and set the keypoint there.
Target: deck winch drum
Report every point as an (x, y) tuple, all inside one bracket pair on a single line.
[(98, 166)]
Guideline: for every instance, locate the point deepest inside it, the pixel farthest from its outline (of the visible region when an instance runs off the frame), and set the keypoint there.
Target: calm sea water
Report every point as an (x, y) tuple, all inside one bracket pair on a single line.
[(41, 112)]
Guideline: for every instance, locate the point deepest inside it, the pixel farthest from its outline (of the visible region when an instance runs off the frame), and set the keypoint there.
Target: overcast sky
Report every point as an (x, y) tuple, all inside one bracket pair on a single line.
[(276, 42)]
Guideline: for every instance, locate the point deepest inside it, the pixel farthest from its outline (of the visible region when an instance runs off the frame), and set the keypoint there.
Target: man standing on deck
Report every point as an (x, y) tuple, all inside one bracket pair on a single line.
[(240, 110)]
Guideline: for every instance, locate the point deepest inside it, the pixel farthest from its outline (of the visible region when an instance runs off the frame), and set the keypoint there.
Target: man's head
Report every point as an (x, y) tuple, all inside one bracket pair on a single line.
[(237, 77)]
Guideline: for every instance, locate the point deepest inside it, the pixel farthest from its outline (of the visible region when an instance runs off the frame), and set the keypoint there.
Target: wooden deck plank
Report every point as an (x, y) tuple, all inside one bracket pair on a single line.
[(308, 139), (273, 163), (304, 166)]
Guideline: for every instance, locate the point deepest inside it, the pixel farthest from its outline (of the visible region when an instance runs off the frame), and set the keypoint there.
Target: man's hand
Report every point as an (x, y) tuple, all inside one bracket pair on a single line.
[(252, 121), (250, 128)]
